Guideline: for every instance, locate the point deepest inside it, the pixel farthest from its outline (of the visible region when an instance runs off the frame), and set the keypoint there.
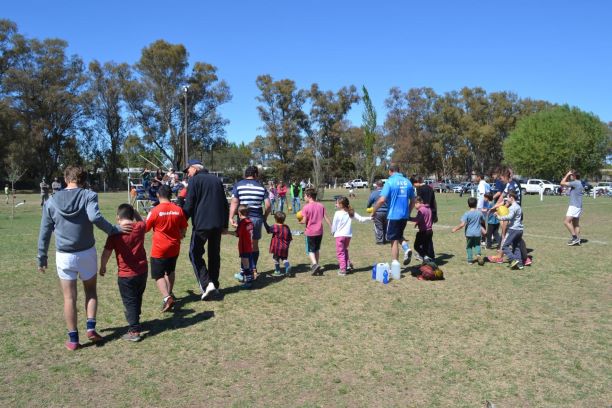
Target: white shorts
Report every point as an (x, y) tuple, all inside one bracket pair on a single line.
[(82, 264), (574, 212)]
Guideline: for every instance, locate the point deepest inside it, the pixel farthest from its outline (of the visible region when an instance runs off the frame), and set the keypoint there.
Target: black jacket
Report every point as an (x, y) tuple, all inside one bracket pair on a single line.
[(429, 197), (206, 203)]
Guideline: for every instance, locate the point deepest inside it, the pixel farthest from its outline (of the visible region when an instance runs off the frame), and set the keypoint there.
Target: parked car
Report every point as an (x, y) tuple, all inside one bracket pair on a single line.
[(357, 183), (602, 187), (533, 186), (440, 186), (464, 187)]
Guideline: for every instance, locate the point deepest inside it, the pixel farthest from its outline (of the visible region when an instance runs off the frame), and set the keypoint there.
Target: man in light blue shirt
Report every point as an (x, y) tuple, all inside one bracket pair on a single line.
[(399, 195)]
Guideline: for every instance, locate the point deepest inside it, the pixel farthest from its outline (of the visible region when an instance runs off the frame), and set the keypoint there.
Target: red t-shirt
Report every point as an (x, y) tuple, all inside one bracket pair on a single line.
[(245, 236), (129, 251), (167, 221)]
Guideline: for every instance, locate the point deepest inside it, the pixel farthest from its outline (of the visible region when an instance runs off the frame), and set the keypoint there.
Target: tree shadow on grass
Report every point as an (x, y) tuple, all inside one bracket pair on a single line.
[(180, 319)]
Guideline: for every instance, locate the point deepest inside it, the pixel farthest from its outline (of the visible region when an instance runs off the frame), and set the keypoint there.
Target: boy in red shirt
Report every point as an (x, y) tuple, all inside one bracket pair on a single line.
[(244, 232), (132, 262), (279, 245), (169, 225), (313, 215)]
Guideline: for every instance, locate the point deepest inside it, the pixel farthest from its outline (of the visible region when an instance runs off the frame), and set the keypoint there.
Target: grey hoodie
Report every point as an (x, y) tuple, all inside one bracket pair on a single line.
[(72, 214)]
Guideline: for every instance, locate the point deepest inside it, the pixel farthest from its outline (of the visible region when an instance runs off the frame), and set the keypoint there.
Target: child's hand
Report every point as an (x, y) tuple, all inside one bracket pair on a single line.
[(102, 271)]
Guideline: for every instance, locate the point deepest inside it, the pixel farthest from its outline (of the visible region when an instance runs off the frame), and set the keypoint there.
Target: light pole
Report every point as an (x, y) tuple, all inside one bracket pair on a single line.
[(185, 152)]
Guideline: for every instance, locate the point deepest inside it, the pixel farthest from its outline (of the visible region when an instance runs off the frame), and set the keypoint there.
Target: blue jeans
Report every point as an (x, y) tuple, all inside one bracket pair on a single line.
[(296, 204), (281, 203)]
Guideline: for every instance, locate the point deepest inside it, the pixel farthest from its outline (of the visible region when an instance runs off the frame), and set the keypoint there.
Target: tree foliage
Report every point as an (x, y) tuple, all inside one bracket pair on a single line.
[(156, 100), (548, 143), (281, 112)]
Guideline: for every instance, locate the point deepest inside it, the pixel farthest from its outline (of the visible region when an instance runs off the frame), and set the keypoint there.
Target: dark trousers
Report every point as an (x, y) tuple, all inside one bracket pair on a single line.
[(512, 245), (493, 235), (380, 227), (423, 244), (203, 274), (131, 290)]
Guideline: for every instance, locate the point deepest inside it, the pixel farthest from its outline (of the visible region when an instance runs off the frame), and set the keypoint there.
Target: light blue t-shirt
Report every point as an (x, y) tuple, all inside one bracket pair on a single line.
[(472, 223), (398, 191)]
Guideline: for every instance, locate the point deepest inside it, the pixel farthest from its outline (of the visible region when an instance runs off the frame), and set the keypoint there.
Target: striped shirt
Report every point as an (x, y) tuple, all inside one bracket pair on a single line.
[(251, 193)]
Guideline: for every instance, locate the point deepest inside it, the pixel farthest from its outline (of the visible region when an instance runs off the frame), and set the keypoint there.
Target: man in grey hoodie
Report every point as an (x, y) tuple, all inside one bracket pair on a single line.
[(72, 213)]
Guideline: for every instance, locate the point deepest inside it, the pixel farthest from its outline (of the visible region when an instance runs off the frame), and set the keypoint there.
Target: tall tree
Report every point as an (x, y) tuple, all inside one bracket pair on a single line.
[(549, 143), (45, 87), (281, 111), (156, 100), (370, 137), (324, 127), (105, 109)]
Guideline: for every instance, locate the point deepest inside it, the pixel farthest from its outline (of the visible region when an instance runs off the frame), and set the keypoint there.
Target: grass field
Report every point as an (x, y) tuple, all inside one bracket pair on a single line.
[(532, 338)]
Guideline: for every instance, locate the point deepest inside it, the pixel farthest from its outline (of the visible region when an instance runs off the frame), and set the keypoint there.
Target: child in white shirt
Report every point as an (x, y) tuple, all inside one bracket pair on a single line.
[(342, 230)]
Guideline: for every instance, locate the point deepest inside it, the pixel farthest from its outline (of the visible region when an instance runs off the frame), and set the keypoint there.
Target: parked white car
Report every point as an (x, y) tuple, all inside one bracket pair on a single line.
[(602, 187), (357, 183), (533, 186)]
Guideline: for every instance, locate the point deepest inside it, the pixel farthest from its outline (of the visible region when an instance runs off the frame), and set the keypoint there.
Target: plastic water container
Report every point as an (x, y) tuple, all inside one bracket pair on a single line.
[(381, 269), (396, 270)]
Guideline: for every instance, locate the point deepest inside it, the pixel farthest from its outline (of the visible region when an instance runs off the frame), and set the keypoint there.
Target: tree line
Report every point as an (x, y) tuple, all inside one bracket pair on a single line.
[(55, 110)]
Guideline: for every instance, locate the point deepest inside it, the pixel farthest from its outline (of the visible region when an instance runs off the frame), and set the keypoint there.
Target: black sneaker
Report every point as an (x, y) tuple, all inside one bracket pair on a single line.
[(317, 270)]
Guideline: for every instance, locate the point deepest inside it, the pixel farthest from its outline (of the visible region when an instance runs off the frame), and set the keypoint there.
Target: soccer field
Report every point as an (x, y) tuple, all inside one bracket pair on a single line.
[(537, 337)]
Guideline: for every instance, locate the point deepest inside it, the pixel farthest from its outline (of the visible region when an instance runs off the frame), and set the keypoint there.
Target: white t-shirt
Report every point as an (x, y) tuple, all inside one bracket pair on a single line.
[(483, 188), (342, 223)]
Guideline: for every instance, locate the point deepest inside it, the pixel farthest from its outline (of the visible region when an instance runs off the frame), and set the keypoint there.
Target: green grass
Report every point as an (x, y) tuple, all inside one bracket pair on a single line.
[(537, 337)]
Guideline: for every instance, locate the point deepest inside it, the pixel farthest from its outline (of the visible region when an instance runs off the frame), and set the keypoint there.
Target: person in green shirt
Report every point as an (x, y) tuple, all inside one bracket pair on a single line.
[(296, 194)]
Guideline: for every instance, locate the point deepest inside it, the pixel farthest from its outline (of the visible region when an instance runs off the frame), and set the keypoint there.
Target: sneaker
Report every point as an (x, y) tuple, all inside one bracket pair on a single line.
[(349, 267), (573, 242), (278, 273), (407, 256), (341, 272), (528, 261), (93, 336), (316, 270), (210, 289), (480, 260), (496, 259), (289, 272), (168, 304), (131, 336), (514, 264), (520, 266), (72, 346), (239, 277)]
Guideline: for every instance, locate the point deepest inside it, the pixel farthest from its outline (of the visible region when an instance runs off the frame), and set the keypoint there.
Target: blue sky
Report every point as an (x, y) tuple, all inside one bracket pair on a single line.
[(560, 50)]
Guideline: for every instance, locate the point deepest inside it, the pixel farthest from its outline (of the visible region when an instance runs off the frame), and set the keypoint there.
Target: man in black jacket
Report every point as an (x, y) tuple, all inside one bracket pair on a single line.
[(208, 209)]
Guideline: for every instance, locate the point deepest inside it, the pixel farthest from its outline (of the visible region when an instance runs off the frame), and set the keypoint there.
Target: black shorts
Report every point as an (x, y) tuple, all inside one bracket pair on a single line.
[(395, 230), (313, 244), (162, 266)]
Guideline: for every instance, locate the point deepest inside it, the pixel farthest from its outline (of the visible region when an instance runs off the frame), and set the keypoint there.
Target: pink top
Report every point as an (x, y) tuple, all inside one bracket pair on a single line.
[(313, 213)]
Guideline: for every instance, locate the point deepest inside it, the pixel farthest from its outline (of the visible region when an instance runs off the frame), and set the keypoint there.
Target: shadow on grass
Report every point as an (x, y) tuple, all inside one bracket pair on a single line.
[(442, 259), (180, 319)]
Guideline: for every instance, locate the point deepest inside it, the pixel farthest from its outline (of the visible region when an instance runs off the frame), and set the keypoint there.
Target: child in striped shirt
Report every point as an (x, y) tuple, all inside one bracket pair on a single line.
[(279, 246)]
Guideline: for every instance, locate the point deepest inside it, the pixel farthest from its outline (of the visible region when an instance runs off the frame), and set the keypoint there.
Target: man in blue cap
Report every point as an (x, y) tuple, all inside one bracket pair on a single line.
[(208, 209)]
